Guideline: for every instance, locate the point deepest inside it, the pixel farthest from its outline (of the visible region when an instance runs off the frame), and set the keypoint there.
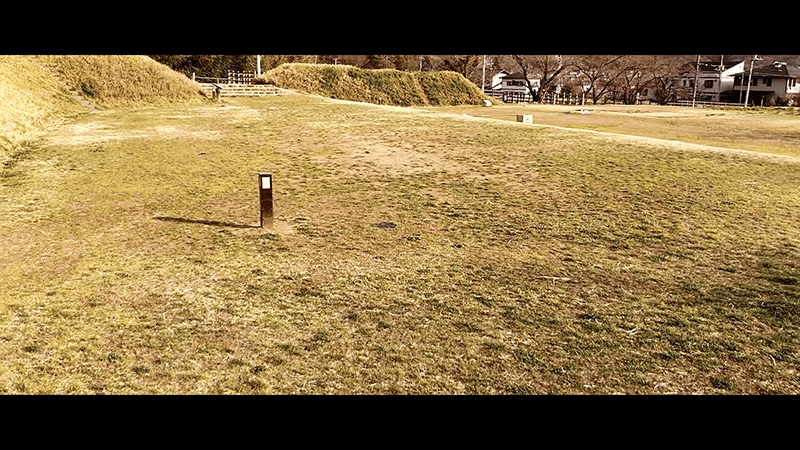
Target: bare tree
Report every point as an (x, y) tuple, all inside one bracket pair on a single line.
[(546, 67), (661, 76), (406, 63), (378, 62), (600, 71), (466, 65), (632, 77)]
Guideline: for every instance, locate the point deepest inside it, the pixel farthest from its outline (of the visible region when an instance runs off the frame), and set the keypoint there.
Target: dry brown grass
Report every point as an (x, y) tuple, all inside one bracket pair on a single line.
[(523, 260), (117, 80), (380, 86), (763, 130), (32, 102)]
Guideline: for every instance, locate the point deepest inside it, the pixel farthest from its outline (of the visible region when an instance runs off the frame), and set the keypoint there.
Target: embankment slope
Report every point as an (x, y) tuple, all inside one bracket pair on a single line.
[(383, 86), (34, 99)]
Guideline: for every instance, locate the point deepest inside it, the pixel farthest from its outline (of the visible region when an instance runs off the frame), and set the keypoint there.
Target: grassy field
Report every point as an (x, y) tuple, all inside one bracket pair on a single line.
[(413, 252), (765, 130)]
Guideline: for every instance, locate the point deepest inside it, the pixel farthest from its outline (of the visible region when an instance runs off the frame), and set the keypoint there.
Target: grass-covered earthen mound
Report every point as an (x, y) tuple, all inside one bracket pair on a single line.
[(384, 86), (32, 101), (117, 80)]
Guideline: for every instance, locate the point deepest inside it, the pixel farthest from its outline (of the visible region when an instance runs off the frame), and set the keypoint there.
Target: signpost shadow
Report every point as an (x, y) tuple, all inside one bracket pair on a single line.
[(265, 200), (213, 223)]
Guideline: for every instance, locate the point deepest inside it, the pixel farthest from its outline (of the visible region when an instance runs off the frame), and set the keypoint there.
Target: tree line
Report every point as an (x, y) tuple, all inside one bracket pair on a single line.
[(219, 65), (622, 78), (599, 77)]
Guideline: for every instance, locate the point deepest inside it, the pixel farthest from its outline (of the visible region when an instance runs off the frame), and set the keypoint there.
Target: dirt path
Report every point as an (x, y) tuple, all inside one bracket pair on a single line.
[(676, 144), (682, 145)]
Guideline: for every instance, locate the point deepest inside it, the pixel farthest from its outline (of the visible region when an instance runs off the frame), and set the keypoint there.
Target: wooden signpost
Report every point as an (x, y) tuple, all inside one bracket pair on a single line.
[(265, 196)]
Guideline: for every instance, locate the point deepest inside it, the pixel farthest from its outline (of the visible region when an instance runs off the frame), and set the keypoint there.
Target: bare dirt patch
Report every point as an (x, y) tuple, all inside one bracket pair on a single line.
[(82, 134), (378, 156)]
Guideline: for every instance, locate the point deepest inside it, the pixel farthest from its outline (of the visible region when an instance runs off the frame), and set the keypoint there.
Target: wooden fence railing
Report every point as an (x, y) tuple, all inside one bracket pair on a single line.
[(233, 77), (699, 104), (580, 99), (241, 77), (517, 97), (551, 98), (564, 99)]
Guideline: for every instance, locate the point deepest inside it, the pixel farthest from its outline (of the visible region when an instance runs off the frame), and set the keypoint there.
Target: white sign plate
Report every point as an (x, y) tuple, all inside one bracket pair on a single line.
[(265, 182)]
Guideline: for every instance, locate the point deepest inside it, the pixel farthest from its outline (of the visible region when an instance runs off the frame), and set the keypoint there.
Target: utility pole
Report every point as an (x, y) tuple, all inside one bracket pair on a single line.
[(721, 68), (749, 79), (483, 80), (258, 64), (696, 70)]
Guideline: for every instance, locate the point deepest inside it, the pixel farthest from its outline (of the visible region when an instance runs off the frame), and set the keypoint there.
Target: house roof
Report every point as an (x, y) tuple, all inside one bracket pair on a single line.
[(713, 66), (777, 69), (514, 76)]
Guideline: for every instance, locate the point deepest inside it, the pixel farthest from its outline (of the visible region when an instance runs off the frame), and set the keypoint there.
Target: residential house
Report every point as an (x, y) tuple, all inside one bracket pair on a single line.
[(515, 82), (715, 82), (512, 86), (770, 84), (497, 80)]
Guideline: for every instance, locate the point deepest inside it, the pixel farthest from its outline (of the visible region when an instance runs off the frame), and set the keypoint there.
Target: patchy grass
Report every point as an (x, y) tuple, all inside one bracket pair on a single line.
[(522, 260)]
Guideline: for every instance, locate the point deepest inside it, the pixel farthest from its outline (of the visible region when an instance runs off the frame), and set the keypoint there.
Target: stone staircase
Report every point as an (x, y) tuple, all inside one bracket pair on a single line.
[(240, 90)]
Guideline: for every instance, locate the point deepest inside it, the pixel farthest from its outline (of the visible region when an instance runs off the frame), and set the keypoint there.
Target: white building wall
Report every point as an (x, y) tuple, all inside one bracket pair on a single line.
[(497, 80)]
